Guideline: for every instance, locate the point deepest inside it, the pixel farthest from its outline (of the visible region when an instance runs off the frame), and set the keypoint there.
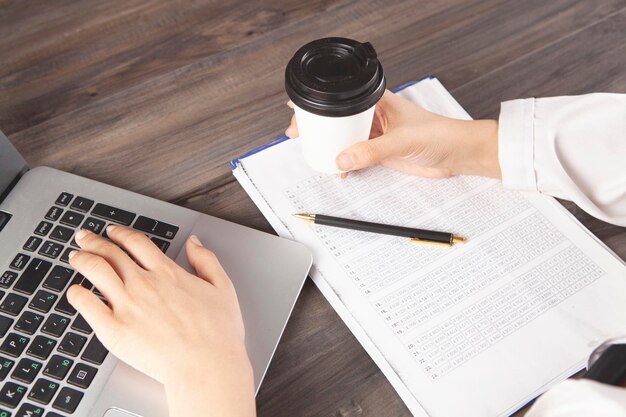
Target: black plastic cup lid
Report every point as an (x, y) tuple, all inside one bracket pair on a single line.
[(335, 77)]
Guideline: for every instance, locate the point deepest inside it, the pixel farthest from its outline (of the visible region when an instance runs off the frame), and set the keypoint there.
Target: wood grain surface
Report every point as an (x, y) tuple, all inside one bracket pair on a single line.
[(156, 96)]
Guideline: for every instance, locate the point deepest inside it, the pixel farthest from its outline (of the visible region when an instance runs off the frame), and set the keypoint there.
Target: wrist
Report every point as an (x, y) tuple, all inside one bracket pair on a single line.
[(219, 384), (476, 149)]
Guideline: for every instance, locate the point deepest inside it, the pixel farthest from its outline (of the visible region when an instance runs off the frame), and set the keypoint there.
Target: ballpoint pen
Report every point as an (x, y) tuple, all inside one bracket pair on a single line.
[(415, 235)]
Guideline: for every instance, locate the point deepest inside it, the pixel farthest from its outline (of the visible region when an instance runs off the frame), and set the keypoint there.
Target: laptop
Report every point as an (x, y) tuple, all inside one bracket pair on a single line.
[(51, 362)]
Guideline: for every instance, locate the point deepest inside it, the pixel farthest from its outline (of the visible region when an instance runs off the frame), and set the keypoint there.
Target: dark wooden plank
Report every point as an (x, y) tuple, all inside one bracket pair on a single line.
[(88, 50), (232, 100), (589, 61), (157, 96)]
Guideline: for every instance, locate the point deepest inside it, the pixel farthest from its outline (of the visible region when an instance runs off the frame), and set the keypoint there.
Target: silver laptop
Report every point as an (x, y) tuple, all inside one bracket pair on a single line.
[(51, 363)]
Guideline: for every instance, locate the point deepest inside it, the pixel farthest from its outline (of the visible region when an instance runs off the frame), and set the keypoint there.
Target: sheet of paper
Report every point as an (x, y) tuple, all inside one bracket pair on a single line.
[(473, 330)]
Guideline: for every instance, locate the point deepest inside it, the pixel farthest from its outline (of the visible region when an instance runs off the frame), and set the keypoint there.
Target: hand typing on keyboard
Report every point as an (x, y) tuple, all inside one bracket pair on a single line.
[(183, 330)]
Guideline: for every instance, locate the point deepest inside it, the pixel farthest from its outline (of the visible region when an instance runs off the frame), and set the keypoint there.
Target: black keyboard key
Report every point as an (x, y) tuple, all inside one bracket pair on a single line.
[(5, 325), (161, 244), (58, 367), (58, 278), (51, 414), (29, 322), (50, 249), (72, 344), (61, 234), (155, 227), (43, 228), (67, 400), (43, 391), (14, 344), (32, 276), (95, 352), (26, 370), (43, 301), (71, 218), (64, 199), (82, 204), (65, 257), (82, 375), (19, 262), (11, 394), (54, 213), (114, 214), (29, 410), (41, 347), (7, 279), (94, 225), (55, 325), (5, 367), (32, 243), (81, 325), (13, 304)]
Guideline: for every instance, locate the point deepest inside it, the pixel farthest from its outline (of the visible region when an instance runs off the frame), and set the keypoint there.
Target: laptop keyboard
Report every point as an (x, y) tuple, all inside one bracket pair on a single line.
[(48, 353)]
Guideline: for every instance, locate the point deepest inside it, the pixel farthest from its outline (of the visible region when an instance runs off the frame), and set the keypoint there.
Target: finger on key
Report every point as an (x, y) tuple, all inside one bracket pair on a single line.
[(140, 247), (98, 315), (101, 274), (121, 262)]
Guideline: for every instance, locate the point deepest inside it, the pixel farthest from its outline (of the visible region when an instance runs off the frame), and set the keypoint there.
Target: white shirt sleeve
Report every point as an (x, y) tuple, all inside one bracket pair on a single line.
[(571, 147), (581, 398)]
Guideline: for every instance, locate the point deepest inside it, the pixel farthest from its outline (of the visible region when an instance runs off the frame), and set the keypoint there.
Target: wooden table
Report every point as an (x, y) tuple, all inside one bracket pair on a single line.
[(156, 96)]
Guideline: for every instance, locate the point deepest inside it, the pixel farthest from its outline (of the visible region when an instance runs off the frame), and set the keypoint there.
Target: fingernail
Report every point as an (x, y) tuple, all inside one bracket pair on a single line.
[(194, 239), (111, 228), (81, 234), (71, 254), (345, 161)]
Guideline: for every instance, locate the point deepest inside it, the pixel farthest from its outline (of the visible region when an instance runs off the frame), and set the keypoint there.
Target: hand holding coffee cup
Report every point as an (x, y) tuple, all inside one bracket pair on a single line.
[(411, 139), (334, 84)]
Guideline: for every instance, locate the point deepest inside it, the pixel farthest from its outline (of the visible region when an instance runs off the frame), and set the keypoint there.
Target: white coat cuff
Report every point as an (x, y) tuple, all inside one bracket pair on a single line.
[(516, 144)]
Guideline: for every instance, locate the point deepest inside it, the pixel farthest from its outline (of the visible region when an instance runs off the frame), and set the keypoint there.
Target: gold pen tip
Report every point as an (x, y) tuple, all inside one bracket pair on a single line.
[(429, 242), (457, 240), (304, 216)]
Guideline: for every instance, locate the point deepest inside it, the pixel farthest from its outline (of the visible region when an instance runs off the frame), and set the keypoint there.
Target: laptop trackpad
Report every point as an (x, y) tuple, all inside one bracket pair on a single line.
[(114, 412), (267, 273)]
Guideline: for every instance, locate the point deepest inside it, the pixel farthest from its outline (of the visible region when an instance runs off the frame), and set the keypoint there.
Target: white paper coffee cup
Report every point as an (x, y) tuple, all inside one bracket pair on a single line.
[(323, 138), (334, 84)]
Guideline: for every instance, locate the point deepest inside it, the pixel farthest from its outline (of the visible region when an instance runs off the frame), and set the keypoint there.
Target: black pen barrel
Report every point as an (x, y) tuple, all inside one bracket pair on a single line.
[(383, 228)]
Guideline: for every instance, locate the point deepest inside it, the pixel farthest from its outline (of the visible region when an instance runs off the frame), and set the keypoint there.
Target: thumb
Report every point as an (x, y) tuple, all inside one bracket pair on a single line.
[(205, 263), (369, 152)]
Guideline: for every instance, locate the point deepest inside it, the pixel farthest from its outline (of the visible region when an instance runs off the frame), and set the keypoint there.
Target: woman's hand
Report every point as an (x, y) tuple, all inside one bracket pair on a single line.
[(186, 331), (408, 138)]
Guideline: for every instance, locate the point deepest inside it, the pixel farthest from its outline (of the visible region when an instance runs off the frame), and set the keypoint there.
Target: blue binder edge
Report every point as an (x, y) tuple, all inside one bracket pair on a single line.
[(233, 164)]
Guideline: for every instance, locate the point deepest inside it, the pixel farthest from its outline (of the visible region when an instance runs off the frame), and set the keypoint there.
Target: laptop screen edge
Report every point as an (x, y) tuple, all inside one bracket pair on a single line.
[(12, 166)]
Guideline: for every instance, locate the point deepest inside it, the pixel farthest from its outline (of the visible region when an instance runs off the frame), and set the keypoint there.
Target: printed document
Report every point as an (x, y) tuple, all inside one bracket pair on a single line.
[(473, 330)]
